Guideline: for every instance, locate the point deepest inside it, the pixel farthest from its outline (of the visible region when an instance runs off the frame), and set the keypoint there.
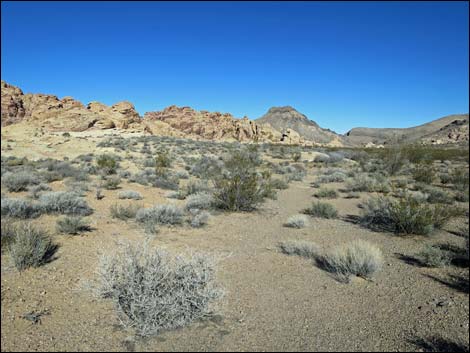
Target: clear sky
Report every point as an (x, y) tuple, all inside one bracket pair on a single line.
[(342, 64)]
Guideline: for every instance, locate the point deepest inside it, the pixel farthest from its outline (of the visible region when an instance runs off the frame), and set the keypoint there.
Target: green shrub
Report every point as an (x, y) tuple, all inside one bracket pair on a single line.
[(424, 173), (326, 193), (240, 187), (107, 163), (406, 215), (433, 256), (321, 210)]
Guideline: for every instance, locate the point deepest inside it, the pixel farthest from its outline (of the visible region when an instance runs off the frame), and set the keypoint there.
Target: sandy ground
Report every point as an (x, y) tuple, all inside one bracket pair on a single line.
[(273, 302)]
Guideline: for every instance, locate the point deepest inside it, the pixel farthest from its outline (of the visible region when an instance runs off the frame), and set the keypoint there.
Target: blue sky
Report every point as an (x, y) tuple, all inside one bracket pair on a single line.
[(342, 64)]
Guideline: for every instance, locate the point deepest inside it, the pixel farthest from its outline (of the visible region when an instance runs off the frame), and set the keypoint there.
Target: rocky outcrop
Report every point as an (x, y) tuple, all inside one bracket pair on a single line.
[(286, 119), (215, 125), (66, 114)]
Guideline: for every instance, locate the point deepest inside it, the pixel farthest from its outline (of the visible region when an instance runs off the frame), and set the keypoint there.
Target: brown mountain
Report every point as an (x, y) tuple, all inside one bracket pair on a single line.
[(288, 119), (449, 129)]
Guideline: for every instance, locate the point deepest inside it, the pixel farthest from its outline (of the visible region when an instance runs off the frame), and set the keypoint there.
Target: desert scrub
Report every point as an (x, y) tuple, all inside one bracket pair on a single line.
[(72, 225), (198, 218), (196, 186), (111, 182), (300, 248), (326, 193), (160, 214), (162, 162), (35, 190), (434, 256), (20, 208), (19, 181), (406, 215), (239, 187), (436, 195), (357, 258), (321, 210), (424, 173), (124, 212), (297, 221), (31, 247), (154, 291), (7, 232), (279, 184), (335, 177), (201, 201), (107, 164), (129, 194), (64, 202)]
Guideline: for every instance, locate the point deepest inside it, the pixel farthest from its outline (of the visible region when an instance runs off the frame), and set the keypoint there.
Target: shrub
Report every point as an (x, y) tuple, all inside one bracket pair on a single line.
[(162, 162), (107, 163), (424, 173), (240, 187), (160, 214), (436, 195), (300, 248), (129, 194), (32, 247), (326, 193), (196, 186), (19, 208), (433, 256), (406, 215), (154, 291), (297, 221), (393, 159), (335, 177), (111, 182), (279, 184), (357, 258), (72, 225), (7, 232), (64, 202), (363, 182), (321, 210), (36, 189), (19, 181), (124, 212), (201, 200), (460, 179), (199, 219)]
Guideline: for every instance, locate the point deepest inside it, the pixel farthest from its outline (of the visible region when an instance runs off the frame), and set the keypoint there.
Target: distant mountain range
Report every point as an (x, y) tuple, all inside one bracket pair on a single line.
[(283, 125)]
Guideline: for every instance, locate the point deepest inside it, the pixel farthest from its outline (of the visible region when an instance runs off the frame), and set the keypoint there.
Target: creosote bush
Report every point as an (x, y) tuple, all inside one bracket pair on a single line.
[(107, 163), (239, 187), (31, 247), (433, 256), (406, 215), (154, 291)]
